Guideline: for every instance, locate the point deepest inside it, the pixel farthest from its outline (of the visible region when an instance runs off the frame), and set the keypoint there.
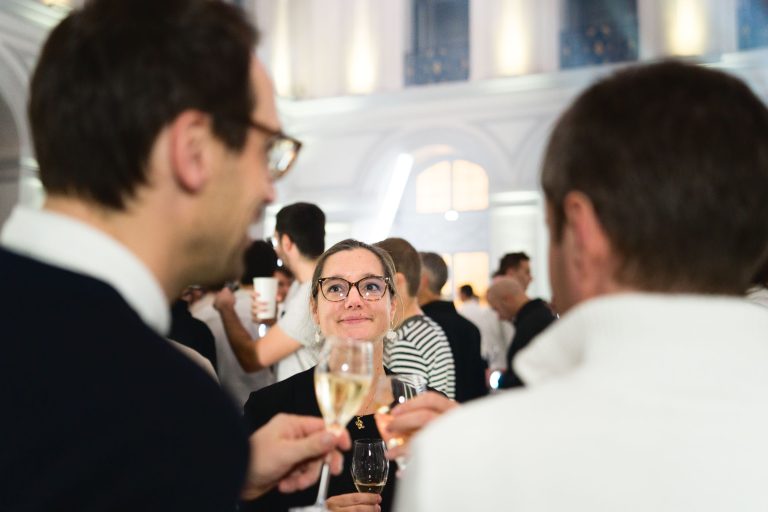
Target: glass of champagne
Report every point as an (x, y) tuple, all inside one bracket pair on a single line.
[(390, 391), (343, 378), (370, 465)]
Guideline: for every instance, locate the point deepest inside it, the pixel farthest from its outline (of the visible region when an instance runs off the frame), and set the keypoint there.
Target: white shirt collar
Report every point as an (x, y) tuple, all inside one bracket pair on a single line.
[(616, 332), (67, 243)]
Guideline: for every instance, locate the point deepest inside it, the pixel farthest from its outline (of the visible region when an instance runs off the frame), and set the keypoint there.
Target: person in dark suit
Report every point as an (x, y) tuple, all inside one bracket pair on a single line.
[(530, 316), (153, 172), (191, 332), (463, 335), (352, 297)]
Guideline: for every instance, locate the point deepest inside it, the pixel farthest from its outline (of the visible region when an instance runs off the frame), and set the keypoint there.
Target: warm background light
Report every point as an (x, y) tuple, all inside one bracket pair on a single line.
[(363, 61), (281, 51), (687, 27), (513, 50)]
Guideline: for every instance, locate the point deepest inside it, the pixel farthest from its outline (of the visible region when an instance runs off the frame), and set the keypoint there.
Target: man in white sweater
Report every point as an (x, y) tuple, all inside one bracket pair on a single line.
[(650, 393)]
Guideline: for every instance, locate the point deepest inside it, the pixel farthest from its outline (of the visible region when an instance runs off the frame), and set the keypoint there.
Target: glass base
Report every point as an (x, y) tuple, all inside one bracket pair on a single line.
[(309, 508)]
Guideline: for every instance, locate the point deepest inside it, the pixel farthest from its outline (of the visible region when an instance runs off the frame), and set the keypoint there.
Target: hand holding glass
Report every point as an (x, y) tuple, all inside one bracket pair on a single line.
[(342, 379), (370, 465), (391, 391)]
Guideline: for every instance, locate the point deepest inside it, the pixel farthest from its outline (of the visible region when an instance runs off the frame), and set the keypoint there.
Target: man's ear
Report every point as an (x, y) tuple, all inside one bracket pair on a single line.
[(402, 284), (286, 242), (190, 136), (592, 257)]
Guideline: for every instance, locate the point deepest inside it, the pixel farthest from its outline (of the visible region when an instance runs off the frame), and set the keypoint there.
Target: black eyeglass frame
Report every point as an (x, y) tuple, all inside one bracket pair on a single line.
[(356, 284), (277, 136)]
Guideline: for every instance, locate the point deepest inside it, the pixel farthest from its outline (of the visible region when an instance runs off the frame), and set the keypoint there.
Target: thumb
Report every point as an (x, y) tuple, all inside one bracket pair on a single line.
[(314, 445)]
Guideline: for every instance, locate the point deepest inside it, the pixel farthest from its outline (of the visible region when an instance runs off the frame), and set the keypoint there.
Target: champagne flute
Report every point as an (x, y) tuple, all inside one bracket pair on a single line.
[(390, 391), (370, 465), (343, 377)]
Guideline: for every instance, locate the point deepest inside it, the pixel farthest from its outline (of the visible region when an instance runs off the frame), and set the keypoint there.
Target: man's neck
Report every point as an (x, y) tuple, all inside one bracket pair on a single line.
[(149, 245), (410, 307), (427, 296), (303, 269)]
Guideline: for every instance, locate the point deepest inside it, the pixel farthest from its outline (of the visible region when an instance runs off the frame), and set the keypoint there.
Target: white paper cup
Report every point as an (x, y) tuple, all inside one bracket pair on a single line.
[(266, 287)]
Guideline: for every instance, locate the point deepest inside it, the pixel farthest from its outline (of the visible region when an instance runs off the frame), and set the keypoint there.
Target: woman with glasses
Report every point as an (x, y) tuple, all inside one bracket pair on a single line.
[(352, 297)]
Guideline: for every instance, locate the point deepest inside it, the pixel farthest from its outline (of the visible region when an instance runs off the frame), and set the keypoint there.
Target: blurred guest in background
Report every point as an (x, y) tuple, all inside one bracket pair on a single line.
[(529, 316), (494, 337), (260, 260), (463, 336), (300, 240), (285, 279), (516, 265), (421, 346)]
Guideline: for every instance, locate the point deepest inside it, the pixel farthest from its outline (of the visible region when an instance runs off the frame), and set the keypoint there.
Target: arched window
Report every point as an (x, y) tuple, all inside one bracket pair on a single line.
[(439, 43), (598, 32), (452, 185), (753, 24)]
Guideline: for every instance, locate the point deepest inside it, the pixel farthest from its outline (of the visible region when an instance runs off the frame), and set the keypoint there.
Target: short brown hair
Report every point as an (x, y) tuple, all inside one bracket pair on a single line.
[(434, 267), (113, 74), (407, 261), (512, 260), (674, 158)]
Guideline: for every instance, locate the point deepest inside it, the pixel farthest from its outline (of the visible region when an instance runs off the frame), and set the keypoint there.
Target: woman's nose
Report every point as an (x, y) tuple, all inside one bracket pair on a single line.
[(353, 298)]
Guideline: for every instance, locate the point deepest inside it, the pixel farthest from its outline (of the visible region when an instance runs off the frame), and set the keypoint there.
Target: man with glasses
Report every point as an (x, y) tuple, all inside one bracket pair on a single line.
[(158, 140), (299, 242)]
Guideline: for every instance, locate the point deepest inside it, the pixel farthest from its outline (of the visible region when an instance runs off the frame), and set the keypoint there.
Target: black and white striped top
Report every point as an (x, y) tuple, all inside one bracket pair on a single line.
[(422, 348)]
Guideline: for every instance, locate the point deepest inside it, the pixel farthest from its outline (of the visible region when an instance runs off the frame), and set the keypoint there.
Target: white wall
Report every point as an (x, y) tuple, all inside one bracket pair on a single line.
[(23, 27), (353, 141)]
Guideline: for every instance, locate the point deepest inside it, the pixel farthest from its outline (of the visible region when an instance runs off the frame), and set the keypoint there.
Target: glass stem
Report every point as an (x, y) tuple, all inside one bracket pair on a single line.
[(322, 492)]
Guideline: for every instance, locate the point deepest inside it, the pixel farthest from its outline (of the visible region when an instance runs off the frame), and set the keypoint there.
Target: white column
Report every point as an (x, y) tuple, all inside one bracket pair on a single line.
[(513, 37), (686, 27), (334, 47)]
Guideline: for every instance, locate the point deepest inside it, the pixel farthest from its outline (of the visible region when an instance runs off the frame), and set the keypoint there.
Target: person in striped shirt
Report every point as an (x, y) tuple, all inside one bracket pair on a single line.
[(420, 345)]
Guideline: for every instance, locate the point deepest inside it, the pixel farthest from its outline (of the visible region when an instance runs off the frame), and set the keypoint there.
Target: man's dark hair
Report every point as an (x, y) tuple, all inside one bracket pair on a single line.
[(304, 223), (467, 290), (407, 261), (512, 260), (433, 265), (761, 277), (260, 261), (285, 271), (113, 74), (674, 158)]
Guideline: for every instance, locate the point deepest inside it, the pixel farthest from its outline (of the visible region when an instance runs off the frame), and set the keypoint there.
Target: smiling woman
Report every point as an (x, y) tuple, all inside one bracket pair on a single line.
[(352, 298)]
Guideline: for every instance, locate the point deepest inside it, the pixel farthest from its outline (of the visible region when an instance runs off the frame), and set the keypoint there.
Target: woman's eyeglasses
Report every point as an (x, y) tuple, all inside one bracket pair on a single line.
[(336, 289)]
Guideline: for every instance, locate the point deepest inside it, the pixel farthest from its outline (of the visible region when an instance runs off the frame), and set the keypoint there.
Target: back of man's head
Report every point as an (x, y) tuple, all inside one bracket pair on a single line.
[(435, 270), (304, 223), (260, 261), (407, 262), (761, 277), (505, 287), (113, 74), (674, 160), (506, 296), (466, 292)]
